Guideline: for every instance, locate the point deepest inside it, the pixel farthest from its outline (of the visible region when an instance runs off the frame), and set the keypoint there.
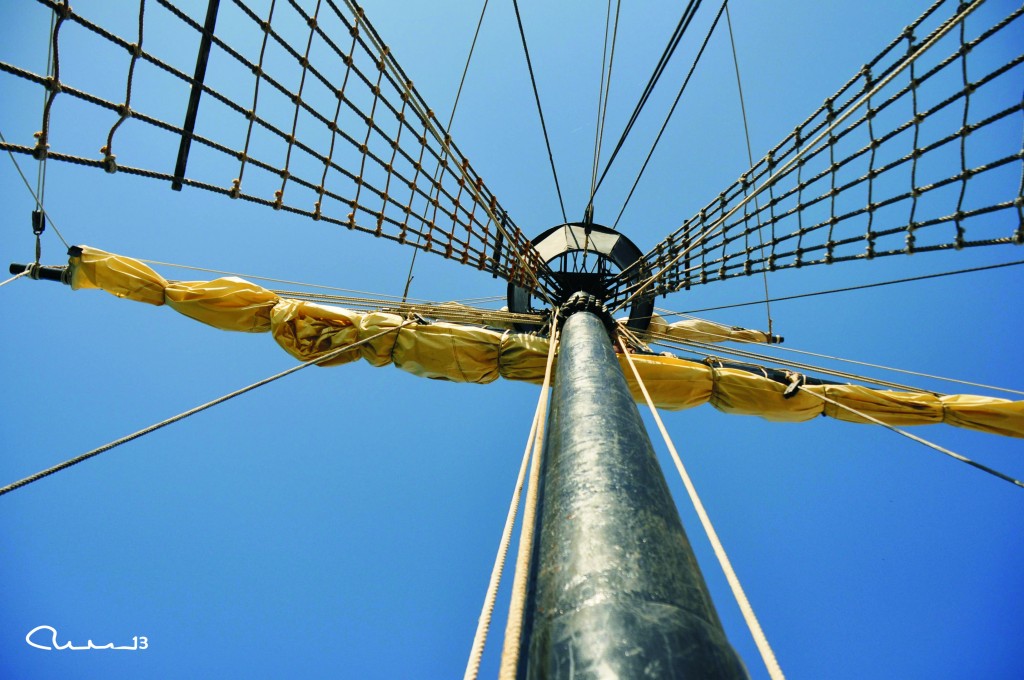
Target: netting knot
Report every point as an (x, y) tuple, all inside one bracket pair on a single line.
[(41, 149), (109, 160)]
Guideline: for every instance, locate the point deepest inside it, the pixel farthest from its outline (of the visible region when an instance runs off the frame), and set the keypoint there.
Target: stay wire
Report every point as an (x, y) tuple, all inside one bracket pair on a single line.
[(35, 196), (931, 445), (750, 159), (202, 407), (451, 119), (603, 92), (767, 655), (666, 56), (41, 169), (664, 125), (860, 287), (540, 111)]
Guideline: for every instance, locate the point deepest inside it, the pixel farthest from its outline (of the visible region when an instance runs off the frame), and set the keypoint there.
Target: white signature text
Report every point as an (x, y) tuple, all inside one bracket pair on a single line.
[(138, 641)]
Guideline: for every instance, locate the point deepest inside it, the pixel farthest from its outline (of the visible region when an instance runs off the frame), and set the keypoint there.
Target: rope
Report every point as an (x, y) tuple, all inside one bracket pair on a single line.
[(181, 416), (668, 340), (767, 655), (917, 439), (792, 364), (484, 623), (15, 277), (536, 96), (517, 605)]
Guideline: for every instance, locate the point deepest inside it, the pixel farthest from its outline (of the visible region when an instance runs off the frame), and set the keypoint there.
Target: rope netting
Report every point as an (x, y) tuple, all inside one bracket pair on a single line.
[(304, 109), (920, 151)]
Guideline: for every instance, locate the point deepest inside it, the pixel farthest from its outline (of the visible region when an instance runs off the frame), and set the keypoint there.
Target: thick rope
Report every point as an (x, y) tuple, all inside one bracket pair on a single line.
[(767, 655), (484, 623), (919, 440), (15, 277), (517, 606), (181, 416)]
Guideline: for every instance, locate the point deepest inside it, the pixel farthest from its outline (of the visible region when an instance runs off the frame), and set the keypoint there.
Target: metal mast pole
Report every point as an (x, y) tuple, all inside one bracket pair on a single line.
[(615, 588)]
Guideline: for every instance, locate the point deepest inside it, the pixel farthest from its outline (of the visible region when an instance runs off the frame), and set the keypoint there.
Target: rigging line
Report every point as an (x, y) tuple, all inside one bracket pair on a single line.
[(675, 103), (35, 196), (847, 361), (41, 169), (451, 119), (659, 69), (792, 364), (860, 287), (536, 96), (713, 228), (202, 407), (484, 623), (750, 159), (767, 655), (940, 449), (380, 296), (517, 606)]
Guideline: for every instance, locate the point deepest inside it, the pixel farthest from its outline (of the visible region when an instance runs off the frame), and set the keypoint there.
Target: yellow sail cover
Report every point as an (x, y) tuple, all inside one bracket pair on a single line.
[(465, 353)]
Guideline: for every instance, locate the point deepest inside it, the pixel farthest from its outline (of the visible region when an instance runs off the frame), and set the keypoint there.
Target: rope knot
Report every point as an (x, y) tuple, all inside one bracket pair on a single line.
[(794, 382)]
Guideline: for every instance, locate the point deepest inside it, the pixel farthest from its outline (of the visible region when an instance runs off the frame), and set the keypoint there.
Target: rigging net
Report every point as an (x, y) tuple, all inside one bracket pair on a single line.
[(354, 143), (919, 151)]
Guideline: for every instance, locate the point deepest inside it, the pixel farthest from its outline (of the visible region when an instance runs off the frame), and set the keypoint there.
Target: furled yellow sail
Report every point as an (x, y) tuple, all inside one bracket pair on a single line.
[(465, 353)]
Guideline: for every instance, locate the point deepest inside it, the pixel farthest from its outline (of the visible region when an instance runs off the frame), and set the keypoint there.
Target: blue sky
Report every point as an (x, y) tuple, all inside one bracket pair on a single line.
[(342, 522)]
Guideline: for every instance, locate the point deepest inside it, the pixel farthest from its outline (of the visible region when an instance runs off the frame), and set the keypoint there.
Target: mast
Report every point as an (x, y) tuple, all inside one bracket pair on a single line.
[(615, 588)]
